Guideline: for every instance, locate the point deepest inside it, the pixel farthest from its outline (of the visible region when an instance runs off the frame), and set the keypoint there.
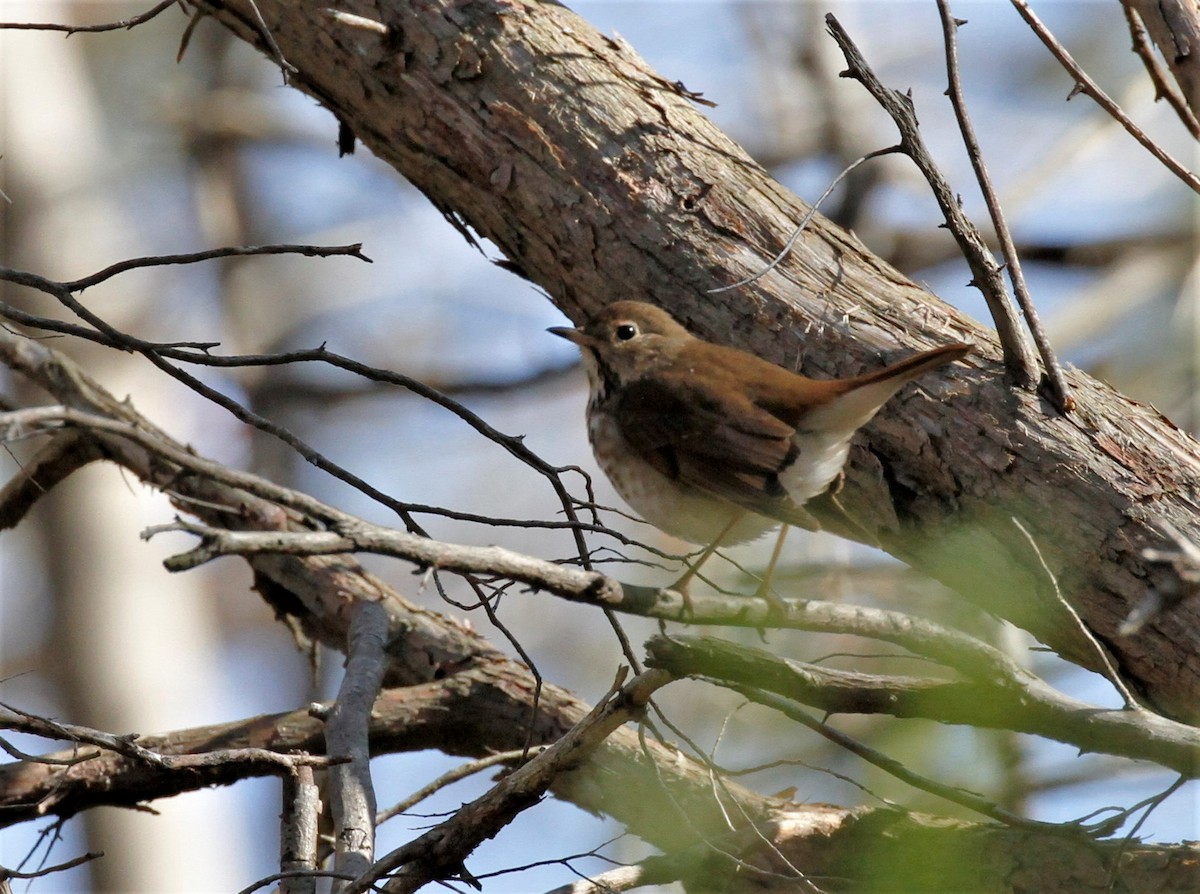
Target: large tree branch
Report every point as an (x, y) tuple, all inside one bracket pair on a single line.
[(600, 180)]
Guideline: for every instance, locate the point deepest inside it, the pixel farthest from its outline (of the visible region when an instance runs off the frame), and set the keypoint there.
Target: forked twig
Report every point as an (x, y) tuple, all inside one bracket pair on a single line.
[(514, 756)]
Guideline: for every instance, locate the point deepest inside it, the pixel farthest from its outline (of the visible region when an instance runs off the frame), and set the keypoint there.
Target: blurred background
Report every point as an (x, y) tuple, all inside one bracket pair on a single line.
[(110, 150)]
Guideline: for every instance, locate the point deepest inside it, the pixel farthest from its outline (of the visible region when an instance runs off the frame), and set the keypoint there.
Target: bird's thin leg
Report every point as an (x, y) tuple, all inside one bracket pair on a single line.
[(681, 586), (764, 589), (867, 536)]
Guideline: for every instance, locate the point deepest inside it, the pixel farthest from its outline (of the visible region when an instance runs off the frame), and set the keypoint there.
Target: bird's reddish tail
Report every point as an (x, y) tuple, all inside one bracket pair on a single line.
[(865, 394)]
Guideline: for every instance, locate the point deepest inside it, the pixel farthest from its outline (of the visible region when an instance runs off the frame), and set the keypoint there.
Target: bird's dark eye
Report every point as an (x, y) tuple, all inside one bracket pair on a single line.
[(626, 331)]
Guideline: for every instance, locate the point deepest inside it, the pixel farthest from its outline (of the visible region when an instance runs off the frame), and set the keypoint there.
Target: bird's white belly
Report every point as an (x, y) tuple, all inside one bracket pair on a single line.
[(670, 506)]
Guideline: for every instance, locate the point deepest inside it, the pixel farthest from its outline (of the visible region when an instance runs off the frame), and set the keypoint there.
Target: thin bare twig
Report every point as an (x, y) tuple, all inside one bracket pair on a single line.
[(564, 861), (7, 874), (198, 353), (1019, 361), (458, 773), (1084, 84), (286, 68), (489, 609), (12, 751), (1151, 804), (1102, 657), (783, 253), (131, 22), (309, 251), (293, 875), (614, 881), (185, 39), (24, 721), (680, 814), (60, 459), (951, 793), (722, 796), (1059, 390)]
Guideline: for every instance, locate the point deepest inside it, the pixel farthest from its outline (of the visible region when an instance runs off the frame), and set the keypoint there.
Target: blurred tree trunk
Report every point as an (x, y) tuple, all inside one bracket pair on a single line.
[(121, 652)]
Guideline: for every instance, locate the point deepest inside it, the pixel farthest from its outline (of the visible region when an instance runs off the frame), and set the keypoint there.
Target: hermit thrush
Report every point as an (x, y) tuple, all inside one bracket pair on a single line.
[(714, 445)]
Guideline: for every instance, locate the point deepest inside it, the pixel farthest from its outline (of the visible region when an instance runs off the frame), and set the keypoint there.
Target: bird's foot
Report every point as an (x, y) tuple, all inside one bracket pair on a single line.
[(777, 607), (688, 610)]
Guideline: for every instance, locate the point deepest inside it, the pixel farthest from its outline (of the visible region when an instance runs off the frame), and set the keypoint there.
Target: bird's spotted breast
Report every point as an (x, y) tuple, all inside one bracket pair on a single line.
[(673, 507)]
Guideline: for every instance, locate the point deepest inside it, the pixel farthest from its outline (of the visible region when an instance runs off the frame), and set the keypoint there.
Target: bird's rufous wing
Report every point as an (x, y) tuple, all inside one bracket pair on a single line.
[(713, 439)]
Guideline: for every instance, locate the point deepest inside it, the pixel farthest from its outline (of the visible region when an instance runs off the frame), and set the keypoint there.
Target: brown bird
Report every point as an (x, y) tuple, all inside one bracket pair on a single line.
[(714, 445)]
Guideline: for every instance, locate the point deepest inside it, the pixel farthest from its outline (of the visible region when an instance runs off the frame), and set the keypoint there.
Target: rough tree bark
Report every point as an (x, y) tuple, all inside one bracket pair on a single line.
[(600, 180)]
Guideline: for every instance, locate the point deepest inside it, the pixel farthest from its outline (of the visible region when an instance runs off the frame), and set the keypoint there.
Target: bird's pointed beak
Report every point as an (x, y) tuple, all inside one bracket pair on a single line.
[(578, 336)]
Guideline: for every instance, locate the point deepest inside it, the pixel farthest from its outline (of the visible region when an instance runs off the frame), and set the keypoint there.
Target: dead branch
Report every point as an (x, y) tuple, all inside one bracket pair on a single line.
[(346, 733)]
